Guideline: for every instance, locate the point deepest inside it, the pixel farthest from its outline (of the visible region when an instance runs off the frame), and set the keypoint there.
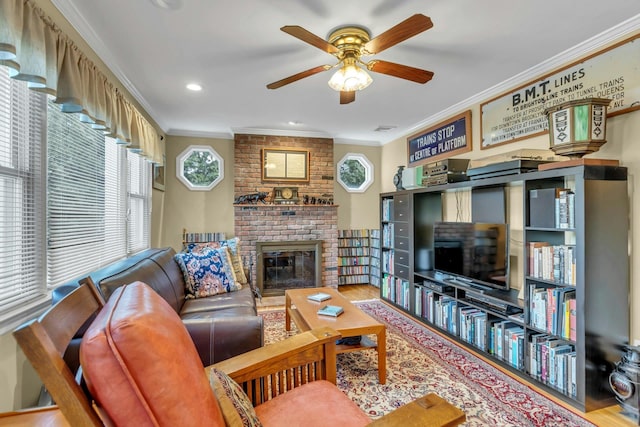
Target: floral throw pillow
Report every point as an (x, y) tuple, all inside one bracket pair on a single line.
[(207, 273), (236, 407), (234, 251)]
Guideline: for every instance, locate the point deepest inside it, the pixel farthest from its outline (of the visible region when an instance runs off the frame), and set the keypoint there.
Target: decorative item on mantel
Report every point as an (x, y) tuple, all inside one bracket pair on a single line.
[(578, 128), (251, 198), (285, 196), (324, 199)]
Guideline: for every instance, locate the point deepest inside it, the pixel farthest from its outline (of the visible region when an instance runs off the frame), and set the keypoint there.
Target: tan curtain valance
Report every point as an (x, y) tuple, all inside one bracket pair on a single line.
[(37, 51)]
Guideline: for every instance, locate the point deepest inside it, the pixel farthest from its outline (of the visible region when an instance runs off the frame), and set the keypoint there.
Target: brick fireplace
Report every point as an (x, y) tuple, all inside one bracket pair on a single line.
[(260, 222), (269, 223)]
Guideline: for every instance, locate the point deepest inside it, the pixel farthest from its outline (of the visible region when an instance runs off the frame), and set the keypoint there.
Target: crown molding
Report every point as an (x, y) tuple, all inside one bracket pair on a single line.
[(77, 21), (281, 132), (199, 134), (589, 46), (343, 141), (271, 132)]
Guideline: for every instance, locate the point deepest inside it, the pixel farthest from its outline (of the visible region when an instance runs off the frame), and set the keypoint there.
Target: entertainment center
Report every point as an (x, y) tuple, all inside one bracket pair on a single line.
[(565, 322)]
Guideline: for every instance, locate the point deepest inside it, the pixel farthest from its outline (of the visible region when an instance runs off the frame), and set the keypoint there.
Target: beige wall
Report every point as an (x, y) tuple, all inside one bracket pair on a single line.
[(19, 383), (197, 211), (358, 210)]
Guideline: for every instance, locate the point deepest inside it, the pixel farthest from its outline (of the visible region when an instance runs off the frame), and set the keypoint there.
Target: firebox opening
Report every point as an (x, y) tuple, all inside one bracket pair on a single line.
[(288, 265)]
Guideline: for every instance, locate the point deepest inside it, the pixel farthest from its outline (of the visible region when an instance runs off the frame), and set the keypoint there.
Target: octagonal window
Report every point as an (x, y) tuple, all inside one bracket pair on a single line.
[(355, 172), (200, 167)]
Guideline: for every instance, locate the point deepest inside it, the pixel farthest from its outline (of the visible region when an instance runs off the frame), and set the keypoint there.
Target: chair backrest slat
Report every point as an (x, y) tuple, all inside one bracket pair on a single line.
[(44, 342)]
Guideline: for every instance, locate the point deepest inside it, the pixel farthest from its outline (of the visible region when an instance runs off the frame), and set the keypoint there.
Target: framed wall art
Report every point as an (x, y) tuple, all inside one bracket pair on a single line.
[(441, 141), (158, 176), (289, 165)]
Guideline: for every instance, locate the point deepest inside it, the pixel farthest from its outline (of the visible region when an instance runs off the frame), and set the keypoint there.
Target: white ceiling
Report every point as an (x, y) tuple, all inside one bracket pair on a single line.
[(234, 48)]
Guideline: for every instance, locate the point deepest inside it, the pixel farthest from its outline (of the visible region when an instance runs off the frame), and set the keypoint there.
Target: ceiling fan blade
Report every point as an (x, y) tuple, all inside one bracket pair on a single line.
[(347, 97), (398, 70), (308, 37), (296, 77), (394, 35)]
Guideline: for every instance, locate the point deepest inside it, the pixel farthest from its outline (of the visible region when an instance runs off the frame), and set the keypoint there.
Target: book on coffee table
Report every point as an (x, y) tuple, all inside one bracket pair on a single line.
[(319, 297), (331, 310)]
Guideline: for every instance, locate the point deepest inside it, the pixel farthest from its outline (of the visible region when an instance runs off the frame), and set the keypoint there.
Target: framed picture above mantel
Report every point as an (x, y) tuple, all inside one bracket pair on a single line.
[(285, 165)]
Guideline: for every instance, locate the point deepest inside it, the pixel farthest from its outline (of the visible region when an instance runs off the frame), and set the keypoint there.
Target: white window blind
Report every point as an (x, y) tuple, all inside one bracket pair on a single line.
[(95, 210), (22, 120), (86, 198), (139, 224)]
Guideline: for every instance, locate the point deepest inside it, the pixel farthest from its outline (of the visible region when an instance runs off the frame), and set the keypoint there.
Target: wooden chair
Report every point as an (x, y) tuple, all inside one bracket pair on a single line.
[(263, 373), (44, 342)]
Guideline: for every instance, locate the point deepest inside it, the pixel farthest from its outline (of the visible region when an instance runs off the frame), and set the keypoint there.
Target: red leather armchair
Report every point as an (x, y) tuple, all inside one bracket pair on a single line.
[(142, 368)]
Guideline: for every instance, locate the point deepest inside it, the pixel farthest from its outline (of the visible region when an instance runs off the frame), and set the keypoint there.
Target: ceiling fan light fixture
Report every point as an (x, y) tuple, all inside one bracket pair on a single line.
[(350, 78)]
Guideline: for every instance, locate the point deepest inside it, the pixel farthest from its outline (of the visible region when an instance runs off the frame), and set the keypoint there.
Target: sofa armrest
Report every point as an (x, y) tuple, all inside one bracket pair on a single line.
[(269, 371), (219, 338)]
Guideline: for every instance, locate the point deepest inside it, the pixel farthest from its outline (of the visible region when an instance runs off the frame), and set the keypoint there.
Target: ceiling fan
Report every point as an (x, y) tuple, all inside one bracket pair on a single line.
[(349, 44)]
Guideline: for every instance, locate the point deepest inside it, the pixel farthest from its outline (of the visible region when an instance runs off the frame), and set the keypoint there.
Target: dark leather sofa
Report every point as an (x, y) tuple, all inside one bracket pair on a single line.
[(221, 326)]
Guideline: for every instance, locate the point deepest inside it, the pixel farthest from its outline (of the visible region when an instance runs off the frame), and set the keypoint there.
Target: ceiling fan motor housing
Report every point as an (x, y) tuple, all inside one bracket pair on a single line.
[(349, 40)]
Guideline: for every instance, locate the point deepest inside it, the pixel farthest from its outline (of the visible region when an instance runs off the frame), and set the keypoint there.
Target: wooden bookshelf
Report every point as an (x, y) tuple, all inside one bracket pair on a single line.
[(590, 281)]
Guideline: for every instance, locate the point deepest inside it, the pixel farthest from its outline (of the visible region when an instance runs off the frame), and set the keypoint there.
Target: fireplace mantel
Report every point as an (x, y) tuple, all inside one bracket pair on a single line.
[(271, 206)]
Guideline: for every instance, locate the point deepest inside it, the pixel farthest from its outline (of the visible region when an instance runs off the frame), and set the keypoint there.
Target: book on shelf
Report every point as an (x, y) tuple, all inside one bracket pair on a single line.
[(535, 361), (319, 297), (572, 319), (552, 262), (564, 208), (387, 208), (331, 310)]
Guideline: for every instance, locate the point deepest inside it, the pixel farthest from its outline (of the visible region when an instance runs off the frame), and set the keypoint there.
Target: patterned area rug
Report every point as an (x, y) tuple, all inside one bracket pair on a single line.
[(420, 361)]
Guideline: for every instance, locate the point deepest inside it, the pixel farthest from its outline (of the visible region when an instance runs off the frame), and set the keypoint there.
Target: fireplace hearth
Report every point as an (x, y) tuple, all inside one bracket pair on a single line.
[(286, 265)]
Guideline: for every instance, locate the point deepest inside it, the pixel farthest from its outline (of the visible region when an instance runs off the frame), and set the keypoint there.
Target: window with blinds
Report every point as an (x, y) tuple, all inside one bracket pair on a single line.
[(22, 120), (86, 202), (139, 194), (99, 197), (87, 205)]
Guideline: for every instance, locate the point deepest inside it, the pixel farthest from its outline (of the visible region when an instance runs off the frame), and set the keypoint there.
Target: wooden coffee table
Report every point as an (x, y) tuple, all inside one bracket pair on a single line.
[(353, 322)]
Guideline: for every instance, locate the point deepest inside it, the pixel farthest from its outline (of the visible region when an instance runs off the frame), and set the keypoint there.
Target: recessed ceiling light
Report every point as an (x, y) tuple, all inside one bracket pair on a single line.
[(167, 4), (194, 87), (294, 123)]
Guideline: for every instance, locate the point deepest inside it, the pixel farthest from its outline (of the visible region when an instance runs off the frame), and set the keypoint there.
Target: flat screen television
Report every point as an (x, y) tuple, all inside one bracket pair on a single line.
[(475, 253)]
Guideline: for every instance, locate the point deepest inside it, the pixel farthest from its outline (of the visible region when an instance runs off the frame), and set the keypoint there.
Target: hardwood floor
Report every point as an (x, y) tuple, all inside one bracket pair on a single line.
[(607, 417)]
